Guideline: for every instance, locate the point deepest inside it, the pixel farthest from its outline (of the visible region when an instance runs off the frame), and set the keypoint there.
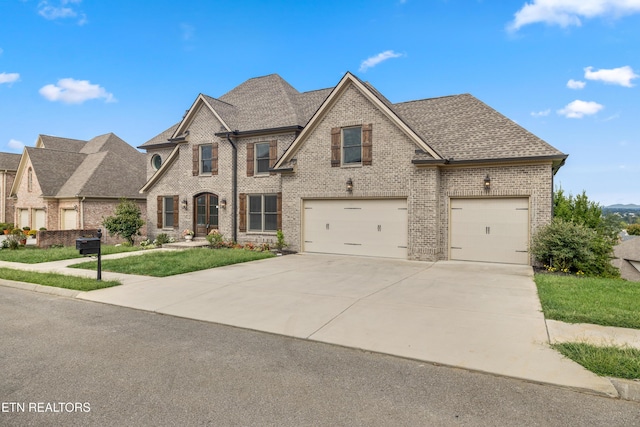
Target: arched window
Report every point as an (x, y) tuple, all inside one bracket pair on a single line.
[(30, 180)]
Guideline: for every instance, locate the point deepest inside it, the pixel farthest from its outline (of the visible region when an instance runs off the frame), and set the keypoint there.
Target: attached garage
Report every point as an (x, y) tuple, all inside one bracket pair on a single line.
[(369, 227), (490, 229)]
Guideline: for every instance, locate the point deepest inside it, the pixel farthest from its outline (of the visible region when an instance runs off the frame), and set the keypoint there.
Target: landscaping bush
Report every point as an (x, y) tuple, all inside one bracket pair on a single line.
[(571, 248), (216, 239), (162, 239), (633, 229)]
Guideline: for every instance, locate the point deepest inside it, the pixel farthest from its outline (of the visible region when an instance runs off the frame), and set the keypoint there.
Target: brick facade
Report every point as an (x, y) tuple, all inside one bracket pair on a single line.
[(427, 188)]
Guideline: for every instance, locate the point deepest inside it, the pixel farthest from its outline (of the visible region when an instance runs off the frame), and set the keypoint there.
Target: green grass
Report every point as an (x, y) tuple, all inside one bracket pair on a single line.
[(35, 255), (619, 362), (169, 263), (56, 280), (606, 302)]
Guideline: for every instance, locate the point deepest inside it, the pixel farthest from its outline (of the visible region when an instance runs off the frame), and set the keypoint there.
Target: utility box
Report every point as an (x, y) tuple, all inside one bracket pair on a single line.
[(88, 245)]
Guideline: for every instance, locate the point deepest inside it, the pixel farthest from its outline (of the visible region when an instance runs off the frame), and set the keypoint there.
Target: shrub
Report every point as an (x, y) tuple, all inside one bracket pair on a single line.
[(33, 233), (280, 243), (215, 239), (162, 239), (572, 247), (633, 229)]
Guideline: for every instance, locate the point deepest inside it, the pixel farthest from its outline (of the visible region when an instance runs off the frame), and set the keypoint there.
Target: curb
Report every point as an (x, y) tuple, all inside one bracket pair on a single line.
[(51, 290), (627, 389)]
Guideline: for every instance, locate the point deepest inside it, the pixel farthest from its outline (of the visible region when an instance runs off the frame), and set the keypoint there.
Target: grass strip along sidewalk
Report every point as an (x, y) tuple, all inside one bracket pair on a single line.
[(163, 264), (606, 302), (56, 280), (35, 255)]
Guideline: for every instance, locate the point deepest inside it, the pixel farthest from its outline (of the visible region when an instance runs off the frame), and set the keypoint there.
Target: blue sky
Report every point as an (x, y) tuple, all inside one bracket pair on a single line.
[(566, 70)]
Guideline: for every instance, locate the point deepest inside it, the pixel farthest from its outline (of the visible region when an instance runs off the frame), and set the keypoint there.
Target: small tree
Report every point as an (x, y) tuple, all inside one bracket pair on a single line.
[(634, 229), (126, 222)]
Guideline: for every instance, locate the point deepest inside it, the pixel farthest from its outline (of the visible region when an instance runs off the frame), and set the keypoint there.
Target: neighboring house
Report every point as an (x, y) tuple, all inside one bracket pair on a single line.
[(68, 184), (343, 170), (8, 167), (627, 258)]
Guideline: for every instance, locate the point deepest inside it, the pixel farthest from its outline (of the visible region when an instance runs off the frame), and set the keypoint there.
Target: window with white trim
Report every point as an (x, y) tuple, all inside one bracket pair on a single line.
[(263, 212)]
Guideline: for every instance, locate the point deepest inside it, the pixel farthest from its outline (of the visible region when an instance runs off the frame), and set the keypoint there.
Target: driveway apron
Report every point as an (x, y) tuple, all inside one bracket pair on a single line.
[(478, 316)]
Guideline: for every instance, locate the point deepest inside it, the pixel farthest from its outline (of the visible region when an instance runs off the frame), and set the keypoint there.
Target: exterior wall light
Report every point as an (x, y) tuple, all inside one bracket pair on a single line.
[(487, 183), (223, 203), (185, 204), (349, 185)]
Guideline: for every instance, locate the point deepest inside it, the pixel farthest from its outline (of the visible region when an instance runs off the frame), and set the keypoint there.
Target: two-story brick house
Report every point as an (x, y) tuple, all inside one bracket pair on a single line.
[(343, 170)]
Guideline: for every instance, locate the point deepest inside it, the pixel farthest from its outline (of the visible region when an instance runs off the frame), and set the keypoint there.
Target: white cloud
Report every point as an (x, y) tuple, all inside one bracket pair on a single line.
[(543, 113), (618, 76), (576, 84), (9, 77), (569, 12), (375, 60), (578, 109), (71, 91), (60, 10), (16, 145)]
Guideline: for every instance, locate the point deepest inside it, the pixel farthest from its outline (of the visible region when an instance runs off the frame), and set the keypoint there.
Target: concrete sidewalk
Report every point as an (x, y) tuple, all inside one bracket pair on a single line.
[(483, 317)]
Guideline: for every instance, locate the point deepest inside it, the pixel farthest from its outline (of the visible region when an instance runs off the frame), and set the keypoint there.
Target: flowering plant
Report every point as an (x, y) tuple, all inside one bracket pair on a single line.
[(187, 232)]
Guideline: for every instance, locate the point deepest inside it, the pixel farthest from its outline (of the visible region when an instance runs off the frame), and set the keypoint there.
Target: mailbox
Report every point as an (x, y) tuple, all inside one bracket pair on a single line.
[(88, 245)]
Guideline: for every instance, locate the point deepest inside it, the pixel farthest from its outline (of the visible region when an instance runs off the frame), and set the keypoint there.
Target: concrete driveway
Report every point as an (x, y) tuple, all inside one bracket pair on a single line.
[(478, 316)]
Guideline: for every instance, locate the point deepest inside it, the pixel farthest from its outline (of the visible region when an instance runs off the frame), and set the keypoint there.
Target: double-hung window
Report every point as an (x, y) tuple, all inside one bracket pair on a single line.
[(263, 212), (352, 145), (168, 212), (206, 154), (262, 157)]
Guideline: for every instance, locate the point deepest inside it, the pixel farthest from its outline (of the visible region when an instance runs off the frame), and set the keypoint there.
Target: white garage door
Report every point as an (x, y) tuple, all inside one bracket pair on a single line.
[(356, 227), (69, 219), (493, 230)]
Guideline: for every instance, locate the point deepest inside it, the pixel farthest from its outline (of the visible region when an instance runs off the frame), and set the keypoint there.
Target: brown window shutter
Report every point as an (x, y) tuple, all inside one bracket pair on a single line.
[(335, 147), (176, 211), (367, 144), (196, 160), (160, 200), (279, 209), (214, 159), (242, 212), (273, 154), (250, 159)]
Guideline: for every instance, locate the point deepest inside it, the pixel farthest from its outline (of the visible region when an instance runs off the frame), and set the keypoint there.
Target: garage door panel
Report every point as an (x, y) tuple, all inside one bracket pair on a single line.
[(356, 227), (492, 230)]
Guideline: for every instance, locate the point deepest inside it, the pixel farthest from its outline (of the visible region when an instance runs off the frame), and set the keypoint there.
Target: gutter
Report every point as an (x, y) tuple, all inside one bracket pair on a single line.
[(262, 131), (451, 161), (234, 183)]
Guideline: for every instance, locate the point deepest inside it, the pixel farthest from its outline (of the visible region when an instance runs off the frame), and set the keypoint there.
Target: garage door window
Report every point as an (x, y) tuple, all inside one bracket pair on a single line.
[(263, 212)]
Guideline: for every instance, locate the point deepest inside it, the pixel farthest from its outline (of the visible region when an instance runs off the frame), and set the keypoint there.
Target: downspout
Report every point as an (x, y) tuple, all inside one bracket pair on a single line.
[(234, 185), (82, 213)]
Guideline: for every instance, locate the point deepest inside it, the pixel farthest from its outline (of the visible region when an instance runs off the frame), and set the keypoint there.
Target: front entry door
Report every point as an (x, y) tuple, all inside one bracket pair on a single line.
[(206, 206)]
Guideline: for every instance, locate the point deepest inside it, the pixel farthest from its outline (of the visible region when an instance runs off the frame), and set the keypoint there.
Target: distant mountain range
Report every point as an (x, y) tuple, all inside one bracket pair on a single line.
[(619, 206)]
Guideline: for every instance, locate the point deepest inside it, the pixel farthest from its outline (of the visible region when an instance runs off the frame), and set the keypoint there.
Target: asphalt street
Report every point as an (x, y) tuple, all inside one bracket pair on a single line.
[(68, 362)]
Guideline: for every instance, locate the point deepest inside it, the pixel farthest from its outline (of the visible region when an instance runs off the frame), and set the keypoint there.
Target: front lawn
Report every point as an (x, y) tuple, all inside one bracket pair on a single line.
[(605, 361), (56, 280), (169, 263), (606, 302), (35, 255)]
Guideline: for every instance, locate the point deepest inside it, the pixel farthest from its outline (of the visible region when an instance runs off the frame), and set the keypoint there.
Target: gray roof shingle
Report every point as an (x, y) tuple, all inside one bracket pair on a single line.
[(9, 161), (105, 166), (458, 127)]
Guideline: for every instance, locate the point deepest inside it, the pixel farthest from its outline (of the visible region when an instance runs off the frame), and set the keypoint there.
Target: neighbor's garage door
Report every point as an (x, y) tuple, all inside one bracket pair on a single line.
[(493, 230), (356, 227)]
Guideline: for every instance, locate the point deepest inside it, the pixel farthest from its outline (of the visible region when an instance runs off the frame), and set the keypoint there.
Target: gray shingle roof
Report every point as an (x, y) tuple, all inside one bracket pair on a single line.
[(161, 138), (105, 166), (63, 144), (9, 161), (458, 127), (464, 128)]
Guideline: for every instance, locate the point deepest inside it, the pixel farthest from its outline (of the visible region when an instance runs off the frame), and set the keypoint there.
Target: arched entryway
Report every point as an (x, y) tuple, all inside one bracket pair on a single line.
[(206, 213)]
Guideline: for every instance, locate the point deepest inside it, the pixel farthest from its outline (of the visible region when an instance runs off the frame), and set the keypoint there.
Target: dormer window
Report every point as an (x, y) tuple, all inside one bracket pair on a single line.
[(156, 161)]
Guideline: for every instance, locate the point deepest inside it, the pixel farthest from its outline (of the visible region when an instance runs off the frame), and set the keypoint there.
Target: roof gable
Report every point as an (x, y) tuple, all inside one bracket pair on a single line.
[(381, 103)]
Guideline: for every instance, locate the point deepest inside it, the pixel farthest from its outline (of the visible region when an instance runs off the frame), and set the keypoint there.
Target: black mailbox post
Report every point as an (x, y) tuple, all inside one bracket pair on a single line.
[(91, 246)]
